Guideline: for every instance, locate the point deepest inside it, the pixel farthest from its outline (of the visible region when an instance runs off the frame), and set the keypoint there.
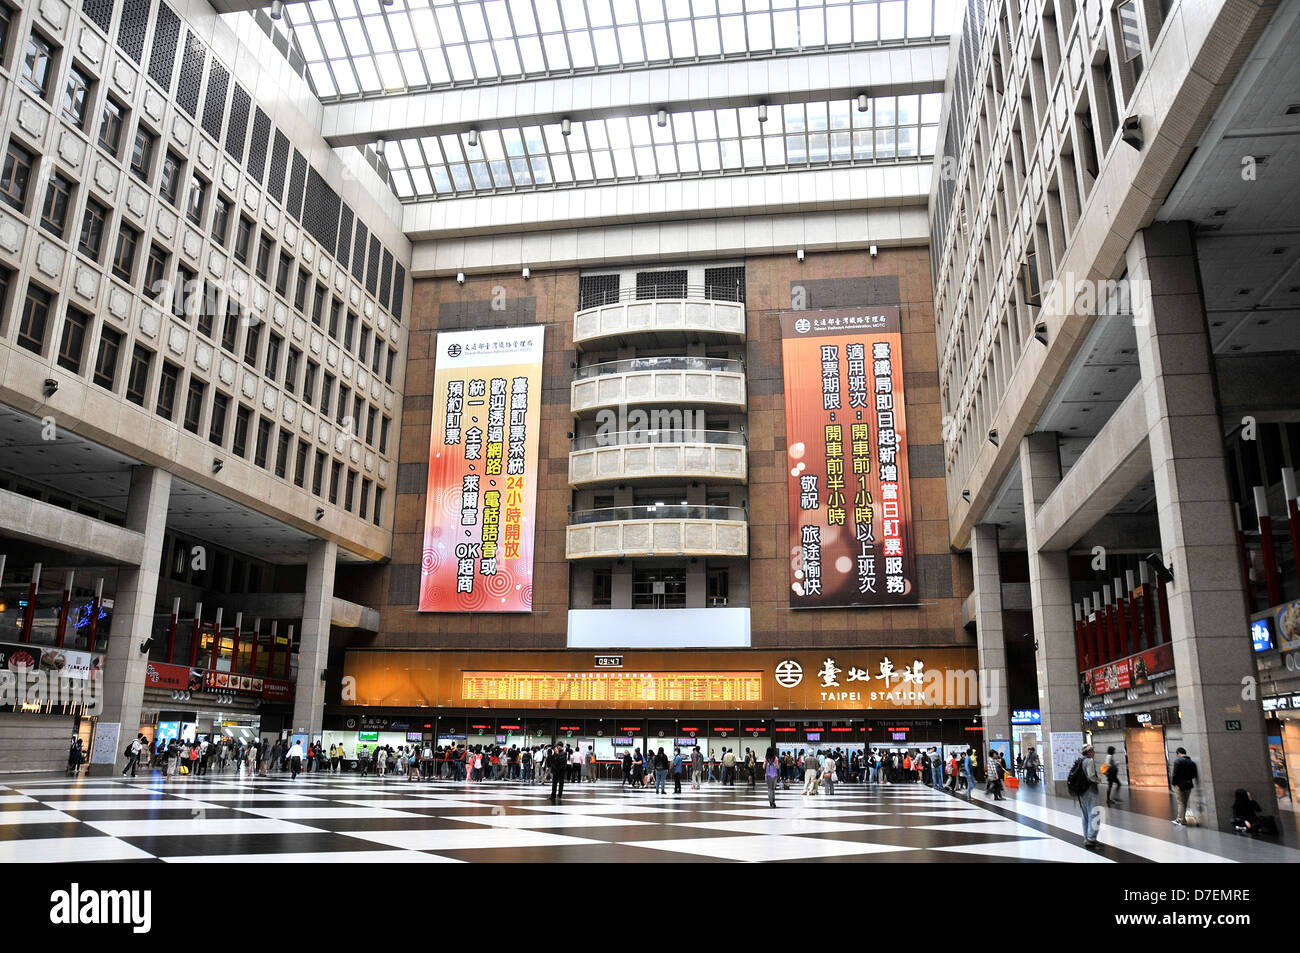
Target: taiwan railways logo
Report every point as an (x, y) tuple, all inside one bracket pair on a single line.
[(803, 325), (789, 673), (453, 350)]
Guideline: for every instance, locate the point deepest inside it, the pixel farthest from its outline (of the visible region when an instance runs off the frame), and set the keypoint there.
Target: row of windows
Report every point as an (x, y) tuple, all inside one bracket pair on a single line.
[(36, 320)]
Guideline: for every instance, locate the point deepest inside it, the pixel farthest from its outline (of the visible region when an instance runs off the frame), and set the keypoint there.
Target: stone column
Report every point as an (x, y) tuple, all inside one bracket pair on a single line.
[(1213, 656), (122, 684), (314, 643), (1049, 586), (995, 704)]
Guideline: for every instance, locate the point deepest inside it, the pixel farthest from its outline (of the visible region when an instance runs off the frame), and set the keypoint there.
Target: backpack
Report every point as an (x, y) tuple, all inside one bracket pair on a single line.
[(1076, 782), (770, 773)]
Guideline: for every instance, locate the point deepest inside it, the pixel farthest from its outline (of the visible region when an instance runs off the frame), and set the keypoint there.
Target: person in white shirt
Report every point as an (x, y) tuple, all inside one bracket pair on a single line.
[(295, 759), (539, 765), (576, 761)]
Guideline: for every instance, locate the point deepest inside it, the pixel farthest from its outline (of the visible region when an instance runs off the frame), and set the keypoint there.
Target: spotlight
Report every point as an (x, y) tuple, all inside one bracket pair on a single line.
[(51, 386), (566, 126), (217, 465), (661, 119), (320, 513), (527, 274), (460, 277), (873, 251), (799, 254), (1133, 132), (862, 102), (473, 137), (762, 112), (380, 145), (277, 9), (1040, 333), (965, 495), (993, 437), (145, 645), (1163, 572)]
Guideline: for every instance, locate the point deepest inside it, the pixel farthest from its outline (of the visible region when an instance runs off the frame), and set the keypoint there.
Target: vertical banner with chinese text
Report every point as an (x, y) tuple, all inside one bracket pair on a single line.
[(851, 538), (482, 497)]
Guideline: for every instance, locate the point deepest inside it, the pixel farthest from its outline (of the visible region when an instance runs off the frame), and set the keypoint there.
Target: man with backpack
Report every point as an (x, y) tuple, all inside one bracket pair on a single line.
[(1084, 782), (132, 754), (1182, 779)]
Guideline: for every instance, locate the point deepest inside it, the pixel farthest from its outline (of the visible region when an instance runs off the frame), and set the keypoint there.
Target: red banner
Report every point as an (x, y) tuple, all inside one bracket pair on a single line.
[(1132, 671), (482, 491), (277, 690), (179, 678), (846, 450)]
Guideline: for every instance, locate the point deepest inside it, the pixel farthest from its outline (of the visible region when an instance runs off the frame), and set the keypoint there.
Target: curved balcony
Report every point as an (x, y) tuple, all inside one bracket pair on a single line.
[(696, 381), (700, 314), (713, 455), (620, 531)]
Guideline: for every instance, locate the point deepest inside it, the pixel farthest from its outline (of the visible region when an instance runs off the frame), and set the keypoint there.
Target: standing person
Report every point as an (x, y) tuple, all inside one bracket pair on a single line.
[(1112, 775), (697, 768), (750, 764), (250, 758), (1182, 779), (559, 764), (770, 773), (970, 774), (1031, 767), (729, 766), (811, 768), (539, 765), (661, 772), (828, 773), (295, 760), (1084, 782), (74, 756), (627, 768), (677, 770), (996, 770)]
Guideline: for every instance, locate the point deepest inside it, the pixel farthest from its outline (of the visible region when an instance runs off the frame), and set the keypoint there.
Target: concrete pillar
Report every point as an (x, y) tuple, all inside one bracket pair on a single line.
[(314, 644), (122, 684), (1049, 587), (1213, 656), (995, 704)]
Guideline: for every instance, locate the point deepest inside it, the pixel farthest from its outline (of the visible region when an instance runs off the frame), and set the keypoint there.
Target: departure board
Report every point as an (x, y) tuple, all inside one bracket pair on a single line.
[(647, 687)]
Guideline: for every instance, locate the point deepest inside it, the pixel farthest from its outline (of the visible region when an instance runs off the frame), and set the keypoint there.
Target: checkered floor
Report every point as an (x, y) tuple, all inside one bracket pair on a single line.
[(346, 818)]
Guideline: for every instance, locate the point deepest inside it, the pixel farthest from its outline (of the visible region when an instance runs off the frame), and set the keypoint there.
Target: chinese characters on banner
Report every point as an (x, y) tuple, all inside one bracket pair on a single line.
[(482, 500), (846, 444)]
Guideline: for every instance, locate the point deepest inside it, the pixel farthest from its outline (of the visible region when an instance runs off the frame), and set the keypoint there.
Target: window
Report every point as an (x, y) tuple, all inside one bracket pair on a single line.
[(350, 491), (6, 29), (169, 185), (659, 589), (230, 329), (383, 435), (363, 347), (335, 308), (36, 315), (155, 273), (318, 305), (327, 395), (54, 213), (220, 219), (272, 367), (377, 361), (91, 242), (718, 586), (171, 375), (300, 290), (283, 445), (239, 445), (263, 445), (217, 427), (184, 294), (336, 471), (291, 370), (15, 177), (111, 121), (110, 346), (282, 275), (342, 410), (602, 588), (363, 510), (265, 246), (243, 235), (75, 94), (300, 465), (251, 342), (349, 330), (142, 152), (379, 503), (318, 476), (196, 201), (137, 382), (207, 311), (37, 64), (309, 382), (194, 404), (128, 239), (373, 416), (392, 359), (72, 347)]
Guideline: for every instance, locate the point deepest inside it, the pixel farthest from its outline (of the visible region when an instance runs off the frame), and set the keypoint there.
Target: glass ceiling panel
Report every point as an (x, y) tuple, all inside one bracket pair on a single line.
[(637, 148), (363, 48)]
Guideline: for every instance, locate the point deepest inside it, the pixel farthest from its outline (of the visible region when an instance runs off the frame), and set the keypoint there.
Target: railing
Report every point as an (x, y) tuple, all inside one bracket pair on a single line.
[(664, 292), (664, 511), (629, 365), (634, 438)]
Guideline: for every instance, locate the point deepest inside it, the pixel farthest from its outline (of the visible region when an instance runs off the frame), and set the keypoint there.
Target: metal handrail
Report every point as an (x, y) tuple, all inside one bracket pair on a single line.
[(666, 511), (670, 291), (682, 363), (662, 435)]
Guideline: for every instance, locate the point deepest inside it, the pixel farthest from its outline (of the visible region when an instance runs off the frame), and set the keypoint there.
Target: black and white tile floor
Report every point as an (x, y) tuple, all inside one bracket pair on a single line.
[(343, 818)]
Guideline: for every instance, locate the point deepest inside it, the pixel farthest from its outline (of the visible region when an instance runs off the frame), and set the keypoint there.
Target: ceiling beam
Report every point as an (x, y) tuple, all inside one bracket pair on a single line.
[(809, 77)]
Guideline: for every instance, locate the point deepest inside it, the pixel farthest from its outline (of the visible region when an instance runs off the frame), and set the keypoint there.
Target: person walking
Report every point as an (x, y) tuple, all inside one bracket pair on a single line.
[(295, 760), (1182, 779), (697, 768), (995, 772), (771, 771), (1112, 776), (1084, 783), (559, 764), (677, 770), (970, 774), (729, 767), (811, 769), (627, 768), (132, 754)]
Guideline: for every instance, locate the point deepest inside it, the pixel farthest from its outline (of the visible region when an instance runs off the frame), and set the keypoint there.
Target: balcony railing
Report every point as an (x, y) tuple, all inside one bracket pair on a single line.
[(663, 511), (663, 292), (631, 365), (636, 438)]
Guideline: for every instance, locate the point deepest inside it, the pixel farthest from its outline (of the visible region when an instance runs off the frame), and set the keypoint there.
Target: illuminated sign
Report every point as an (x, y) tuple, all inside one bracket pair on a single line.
[(481, 500), (1261, 633), (846, 455), (1026, 716), (649, 687)]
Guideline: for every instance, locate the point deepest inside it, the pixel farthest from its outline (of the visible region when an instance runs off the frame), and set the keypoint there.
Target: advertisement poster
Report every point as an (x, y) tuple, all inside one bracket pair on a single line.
[(846, 443), (1288, 626), (482, 491), (1132, 671), (108, 735)]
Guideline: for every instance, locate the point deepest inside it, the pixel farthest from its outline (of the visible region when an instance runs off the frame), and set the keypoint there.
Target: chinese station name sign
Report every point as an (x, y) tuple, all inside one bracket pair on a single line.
[(851, 541), (947, 678), (482, 492)]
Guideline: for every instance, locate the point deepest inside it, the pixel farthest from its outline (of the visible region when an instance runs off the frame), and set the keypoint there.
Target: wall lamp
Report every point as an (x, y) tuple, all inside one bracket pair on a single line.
[(1040, 333), (460, 277), (873, 251), (1133, 132), (527, 273), (965, 495), (320, 513), (217, 465), (50, 386), (993, 437), (799, 254)]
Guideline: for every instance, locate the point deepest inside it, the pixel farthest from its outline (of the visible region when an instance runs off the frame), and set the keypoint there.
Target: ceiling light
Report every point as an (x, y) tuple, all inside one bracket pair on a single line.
[(473, 137), (862, 102), (380, 145), (277, 9), (762, 112), (661, 119), (566, 126)]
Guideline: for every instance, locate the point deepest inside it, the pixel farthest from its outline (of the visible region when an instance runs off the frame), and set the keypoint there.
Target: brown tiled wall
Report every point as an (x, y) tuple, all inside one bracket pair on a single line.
[(845, 279)]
